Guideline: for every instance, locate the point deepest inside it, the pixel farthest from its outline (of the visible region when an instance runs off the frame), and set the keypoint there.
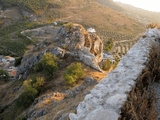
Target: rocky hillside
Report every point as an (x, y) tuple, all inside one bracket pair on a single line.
[(71, 39), (73, 48), (50, 52), (87, 13), (111, 4)]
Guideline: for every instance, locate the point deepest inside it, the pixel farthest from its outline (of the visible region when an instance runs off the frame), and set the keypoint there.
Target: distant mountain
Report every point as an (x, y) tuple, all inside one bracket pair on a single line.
[(110, 4), (141, 15), (104, 15)]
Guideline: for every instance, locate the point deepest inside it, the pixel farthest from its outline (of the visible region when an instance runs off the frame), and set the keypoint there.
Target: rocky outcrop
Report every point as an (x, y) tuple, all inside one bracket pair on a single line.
[(70, 39), (87, 47), (31, 59), (7, 64), (106, 99)]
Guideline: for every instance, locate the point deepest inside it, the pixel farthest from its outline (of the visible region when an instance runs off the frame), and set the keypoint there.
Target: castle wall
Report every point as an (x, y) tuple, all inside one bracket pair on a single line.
[(108, 97)]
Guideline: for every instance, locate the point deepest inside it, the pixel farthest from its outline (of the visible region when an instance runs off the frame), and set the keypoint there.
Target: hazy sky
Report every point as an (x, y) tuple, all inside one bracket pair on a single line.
[(151, 5)]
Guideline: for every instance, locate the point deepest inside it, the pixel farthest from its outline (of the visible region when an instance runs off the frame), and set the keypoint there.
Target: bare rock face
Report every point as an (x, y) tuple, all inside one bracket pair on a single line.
[(30, 60), (7, 63), (88, 47), (70, 39)]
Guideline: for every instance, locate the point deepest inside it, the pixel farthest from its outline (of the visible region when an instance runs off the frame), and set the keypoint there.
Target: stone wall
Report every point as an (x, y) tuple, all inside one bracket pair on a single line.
[(108, 97)]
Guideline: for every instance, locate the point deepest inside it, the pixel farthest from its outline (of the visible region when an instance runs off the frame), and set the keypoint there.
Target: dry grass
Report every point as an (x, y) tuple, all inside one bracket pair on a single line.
[(153, 25), (92, 14), (7, 99), (68, 105), (97, 75), (140, 104), (6, 90), (48, 101)]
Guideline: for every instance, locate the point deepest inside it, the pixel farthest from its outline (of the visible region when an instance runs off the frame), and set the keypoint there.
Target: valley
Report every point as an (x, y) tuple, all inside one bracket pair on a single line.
[(49, 61)]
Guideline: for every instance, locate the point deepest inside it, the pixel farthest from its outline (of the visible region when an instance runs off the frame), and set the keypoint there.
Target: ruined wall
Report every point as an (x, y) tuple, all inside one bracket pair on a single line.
[(108, 97)]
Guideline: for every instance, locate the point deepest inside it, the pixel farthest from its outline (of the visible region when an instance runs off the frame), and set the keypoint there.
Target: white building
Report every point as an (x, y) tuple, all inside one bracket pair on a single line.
[(91, 30)]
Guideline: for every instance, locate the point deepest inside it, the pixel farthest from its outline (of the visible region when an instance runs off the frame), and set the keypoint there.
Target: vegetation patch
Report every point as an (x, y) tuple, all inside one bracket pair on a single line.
[(106, 65), (1, 21), (37, 6), (12, 42), (108, 45), (4, 75), (48, 64), (17, 61), (153, 25), (69, 25), (27, 97), (73, 73), (31, 89)]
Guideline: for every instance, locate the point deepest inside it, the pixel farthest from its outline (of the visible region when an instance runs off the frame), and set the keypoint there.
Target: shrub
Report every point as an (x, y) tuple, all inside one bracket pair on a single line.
[(48, 64), (106, 65), (27, 97), (34, 83), (21, 118), (30, 92), (4, 75), (39, 82), (38, 67), (108, 45), (27, 83), (73, 72), (68, 25), (1, 22), (115, 65), (17, 61), (152, 25)]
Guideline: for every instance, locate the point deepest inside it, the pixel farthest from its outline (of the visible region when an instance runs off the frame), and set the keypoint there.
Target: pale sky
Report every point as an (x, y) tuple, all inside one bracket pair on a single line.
[(151, 5)]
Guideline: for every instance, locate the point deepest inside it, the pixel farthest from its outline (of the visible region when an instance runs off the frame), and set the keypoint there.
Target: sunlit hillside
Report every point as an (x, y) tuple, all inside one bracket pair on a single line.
[(49, 61), (142, 16), (89, 13)]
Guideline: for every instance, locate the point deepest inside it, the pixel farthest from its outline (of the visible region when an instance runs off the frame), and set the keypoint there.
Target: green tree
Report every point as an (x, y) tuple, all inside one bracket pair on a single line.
[(27, 97), (4, 75), (27, 83), (39, 82), (107, 65), (73, 73), (108, 45), (49, 63), (17, 61), (34, 83), (31, 89)]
